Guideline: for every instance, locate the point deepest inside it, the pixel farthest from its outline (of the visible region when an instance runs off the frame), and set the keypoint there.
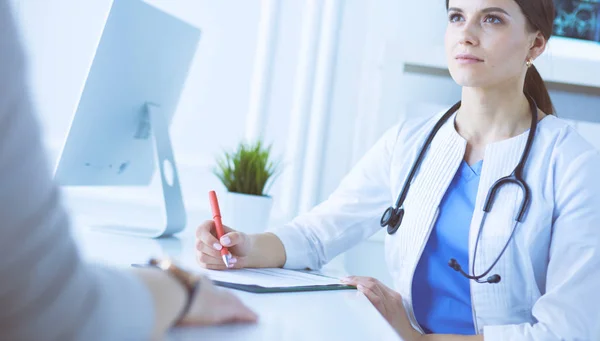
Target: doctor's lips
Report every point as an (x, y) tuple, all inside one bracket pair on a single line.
[(465, 58)]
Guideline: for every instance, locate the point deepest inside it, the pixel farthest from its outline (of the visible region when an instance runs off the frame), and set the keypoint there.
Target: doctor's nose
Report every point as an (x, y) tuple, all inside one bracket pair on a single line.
[(468, 35)]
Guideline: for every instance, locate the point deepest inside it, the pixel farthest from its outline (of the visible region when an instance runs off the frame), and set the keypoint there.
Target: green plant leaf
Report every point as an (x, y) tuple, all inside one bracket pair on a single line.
[(249, 169)]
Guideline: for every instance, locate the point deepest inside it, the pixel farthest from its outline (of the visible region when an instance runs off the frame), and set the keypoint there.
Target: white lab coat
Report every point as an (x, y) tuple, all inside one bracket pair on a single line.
[(551, 270)]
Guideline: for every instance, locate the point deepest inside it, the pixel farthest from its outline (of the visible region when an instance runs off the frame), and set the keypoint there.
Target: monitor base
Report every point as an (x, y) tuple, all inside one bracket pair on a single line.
[(154, 125)]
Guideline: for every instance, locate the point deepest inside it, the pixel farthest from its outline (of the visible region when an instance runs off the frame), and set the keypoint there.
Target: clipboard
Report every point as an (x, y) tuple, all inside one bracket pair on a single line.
[(261, 289), (257, 289)]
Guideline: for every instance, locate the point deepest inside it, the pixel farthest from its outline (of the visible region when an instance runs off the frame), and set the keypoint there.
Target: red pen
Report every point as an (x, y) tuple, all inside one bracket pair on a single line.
[(216, 212)]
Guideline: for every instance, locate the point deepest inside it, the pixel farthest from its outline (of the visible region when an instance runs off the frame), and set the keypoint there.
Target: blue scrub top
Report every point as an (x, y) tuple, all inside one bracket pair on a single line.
[(441, 296)]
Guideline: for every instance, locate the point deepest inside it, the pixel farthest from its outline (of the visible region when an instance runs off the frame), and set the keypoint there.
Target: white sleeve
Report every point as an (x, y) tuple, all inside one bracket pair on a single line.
[(46, 291), (350, 214), (570, 307)]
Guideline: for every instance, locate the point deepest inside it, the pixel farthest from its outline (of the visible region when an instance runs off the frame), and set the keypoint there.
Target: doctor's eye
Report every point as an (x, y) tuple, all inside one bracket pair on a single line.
[(455, 17), (492, 19)]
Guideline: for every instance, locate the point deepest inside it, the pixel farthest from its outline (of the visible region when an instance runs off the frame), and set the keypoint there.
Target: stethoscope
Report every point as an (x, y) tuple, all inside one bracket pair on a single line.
[(392, 217)]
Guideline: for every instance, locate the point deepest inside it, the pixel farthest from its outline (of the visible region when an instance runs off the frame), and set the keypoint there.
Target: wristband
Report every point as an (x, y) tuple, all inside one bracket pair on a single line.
[(190, 282)]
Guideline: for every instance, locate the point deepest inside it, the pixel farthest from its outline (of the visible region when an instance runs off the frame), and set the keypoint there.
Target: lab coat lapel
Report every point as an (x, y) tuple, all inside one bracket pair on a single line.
[(426, 192), (500, 159)]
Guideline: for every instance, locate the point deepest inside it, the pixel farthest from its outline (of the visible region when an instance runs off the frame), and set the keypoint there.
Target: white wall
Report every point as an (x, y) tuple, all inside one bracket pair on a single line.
[(61, 37)]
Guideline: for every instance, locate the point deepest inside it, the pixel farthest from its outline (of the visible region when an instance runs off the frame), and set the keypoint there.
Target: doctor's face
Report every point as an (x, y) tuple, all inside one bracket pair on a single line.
[(487, 42)]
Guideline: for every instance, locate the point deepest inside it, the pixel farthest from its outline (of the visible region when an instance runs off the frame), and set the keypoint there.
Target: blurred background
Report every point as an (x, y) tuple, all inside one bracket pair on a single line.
[(320, 80)]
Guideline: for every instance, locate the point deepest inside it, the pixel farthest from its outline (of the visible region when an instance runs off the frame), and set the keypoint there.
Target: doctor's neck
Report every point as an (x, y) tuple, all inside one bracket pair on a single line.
[(490, 115)]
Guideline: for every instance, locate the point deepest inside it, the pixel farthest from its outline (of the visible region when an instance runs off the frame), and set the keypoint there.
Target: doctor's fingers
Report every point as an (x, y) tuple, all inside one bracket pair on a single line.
[(207, 232), (368, 282), (374, 297), (388, 292), (204, 234), (210, 250), (373, 285), (216, 263)]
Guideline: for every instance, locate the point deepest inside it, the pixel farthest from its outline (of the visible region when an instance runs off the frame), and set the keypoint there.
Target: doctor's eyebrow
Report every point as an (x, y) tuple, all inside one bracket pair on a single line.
[(485, 10)]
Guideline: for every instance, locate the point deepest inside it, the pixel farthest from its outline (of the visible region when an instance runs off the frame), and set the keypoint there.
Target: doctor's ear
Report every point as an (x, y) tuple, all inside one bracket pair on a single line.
[(537, 45)]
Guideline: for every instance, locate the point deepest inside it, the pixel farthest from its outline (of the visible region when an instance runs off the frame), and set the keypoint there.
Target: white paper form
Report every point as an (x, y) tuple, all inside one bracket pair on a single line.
[(269, 277)]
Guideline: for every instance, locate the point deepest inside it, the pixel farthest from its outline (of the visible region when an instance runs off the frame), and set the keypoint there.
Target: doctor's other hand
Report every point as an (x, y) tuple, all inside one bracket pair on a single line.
[(213, 306), (208, 247), (388, 302)]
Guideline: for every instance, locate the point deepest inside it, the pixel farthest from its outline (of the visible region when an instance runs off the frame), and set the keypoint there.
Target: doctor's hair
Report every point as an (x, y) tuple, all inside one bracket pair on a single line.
[(540, 17)]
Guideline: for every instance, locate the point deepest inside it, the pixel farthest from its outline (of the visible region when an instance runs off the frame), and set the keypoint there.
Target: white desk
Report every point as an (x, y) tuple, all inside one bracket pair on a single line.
[(330, 315)]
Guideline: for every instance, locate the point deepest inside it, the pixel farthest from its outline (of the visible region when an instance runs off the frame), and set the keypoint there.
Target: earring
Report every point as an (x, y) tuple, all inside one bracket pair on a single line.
[(529, 62)]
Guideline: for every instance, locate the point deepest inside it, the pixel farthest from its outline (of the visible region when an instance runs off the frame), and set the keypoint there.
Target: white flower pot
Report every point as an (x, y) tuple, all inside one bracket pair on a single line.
[(247, 213)]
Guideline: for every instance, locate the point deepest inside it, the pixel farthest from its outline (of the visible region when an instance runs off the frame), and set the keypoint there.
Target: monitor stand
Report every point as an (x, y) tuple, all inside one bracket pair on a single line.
[(153, 124)]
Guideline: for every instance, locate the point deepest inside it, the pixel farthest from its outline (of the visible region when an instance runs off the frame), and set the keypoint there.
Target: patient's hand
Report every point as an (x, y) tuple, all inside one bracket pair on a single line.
[(214, 305)]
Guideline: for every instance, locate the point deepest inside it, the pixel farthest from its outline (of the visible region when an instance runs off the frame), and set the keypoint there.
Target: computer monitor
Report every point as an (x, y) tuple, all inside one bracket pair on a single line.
[(120, 131)]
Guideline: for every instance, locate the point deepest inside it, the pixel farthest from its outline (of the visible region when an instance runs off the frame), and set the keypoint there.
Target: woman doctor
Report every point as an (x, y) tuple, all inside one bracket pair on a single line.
[(526, 268)]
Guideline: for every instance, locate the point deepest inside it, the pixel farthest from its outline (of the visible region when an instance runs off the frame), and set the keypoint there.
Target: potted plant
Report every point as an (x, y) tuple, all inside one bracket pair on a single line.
[(247, 173)]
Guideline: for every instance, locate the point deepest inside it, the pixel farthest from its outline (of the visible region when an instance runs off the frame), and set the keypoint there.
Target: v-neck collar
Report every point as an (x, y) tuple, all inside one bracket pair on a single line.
[(469, 172)]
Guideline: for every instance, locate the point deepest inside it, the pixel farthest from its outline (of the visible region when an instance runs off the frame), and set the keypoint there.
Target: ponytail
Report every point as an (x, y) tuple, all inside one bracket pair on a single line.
[(536, 88)]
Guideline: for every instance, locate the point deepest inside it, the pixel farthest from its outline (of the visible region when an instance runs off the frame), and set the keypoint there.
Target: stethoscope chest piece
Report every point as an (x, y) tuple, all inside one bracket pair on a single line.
[(392, 218)]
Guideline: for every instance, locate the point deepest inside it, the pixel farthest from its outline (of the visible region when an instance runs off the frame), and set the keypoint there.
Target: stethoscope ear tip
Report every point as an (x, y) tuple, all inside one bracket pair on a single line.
[(454, 264)]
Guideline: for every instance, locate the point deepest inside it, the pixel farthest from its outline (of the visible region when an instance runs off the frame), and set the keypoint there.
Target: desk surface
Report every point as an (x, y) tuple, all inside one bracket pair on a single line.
[(330, 315)]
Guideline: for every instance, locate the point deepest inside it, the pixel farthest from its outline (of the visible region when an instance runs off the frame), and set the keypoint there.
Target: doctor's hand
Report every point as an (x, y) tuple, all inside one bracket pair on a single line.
[(208, 246), (388, 302)]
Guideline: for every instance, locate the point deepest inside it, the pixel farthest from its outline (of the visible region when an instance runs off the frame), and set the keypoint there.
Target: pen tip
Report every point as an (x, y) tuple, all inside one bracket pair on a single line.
[(226, 260)]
